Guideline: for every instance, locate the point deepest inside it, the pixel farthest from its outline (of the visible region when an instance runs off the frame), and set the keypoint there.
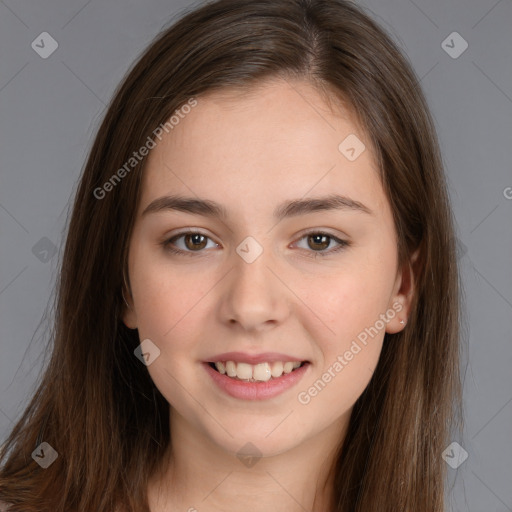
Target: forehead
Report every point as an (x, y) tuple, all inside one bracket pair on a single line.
[(280, 138)]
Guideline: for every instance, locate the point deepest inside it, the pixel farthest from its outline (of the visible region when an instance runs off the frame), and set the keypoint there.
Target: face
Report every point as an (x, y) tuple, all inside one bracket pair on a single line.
[(268, 281)]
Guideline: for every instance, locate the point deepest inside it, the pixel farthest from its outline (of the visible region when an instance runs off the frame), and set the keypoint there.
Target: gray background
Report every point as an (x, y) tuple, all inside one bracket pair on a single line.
[(50, 109)]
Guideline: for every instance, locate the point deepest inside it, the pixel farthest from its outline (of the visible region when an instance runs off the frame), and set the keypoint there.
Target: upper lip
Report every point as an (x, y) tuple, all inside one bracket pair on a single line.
[(244, 357)]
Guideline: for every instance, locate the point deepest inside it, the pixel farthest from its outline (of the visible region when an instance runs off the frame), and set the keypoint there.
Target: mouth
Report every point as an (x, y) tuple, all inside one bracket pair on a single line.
[(260, 381), (261, 372)]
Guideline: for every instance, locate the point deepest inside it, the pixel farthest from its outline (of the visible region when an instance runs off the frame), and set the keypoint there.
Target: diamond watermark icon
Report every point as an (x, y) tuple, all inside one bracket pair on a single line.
[(351, 147), (249, 455), (454, 455), (44, 250), (249, 249), (147, 352), (44, 45), (454, 45), (44, 455)]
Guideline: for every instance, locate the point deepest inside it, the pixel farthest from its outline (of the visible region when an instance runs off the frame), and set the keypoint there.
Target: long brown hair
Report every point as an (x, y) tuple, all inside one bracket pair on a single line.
[(97, 406)]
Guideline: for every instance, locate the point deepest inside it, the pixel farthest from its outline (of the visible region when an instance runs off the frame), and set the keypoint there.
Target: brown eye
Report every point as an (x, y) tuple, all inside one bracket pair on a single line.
[(195, 241), (317, 244), (319, 241), (188, 243)]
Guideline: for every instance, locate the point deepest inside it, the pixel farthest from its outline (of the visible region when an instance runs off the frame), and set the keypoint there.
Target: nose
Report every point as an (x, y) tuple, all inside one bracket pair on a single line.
[(253, 295)]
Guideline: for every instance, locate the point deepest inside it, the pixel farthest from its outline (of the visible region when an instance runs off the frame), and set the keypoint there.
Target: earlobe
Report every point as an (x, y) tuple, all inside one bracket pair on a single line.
[(402, 298), (398, 317)]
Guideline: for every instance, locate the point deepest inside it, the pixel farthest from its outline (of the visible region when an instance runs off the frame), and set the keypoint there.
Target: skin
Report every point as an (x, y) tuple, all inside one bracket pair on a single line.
[(250, 153)]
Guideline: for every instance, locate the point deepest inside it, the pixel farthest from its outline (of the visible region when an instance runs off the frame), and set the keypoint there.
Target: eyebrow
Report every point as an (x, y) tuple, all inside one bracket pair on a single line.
[(291, 208)]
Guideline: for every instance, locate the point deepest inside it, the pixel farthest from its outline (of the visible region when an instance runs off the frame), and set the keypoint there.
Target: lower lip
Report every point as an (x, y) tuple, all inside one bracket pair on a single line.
[(256, 390)]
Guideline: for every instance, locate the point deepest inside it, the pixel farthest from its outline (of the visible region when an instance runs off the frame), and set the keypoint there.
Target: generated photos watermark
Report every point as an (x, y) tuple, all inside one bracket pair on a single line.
[(305, 397)]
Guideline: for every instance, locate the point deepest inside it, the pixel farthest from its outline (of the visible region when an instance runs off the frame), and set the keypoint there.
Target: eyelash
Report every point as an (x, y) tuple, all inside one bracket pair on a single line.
[(167, 244)]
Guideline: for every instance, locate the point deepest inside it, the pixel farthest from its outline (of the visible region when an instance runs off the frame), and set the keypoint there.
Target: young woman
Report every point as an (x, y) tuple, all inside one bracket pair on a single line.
[(258, 303)]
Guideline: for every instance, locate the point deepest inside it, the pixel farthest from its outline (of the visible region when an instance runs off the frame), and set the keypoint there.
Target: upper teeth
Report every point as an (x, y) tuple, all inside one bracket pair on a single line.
[(260, 372)]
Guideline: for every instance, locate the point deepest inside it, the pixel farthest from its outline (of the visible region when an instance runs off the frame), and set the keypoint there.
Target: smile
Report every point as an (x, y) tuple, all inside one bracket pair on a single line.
[(261, 381)]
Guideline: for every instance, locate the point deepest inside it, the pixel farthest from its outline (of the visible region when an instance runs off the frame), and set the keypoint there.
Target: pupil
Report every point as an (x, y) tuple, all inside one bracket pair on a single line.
[(324, 237), (195, 238)]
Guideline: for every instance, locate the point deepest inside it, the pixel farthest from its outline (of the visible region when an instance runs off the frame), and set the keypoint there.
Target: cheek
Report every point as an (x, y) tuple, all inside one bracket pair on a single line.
[(349, 352), (173, 307), (164, 295), (169, 310), (353, 299), (170, 318), (338, 385), (353, 305)]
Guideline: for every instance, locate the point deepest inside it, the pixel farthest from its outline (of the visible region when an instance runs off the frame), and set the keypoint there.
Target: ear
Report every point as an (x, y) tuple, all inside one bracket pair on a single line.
[(403, 293), (129, 316)]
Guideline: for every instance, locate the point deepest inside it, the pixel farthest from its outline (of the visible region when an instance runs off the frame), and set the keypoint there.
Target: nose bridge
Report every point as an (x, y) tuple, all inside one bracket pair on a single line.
[(254, 296), (252, 277)]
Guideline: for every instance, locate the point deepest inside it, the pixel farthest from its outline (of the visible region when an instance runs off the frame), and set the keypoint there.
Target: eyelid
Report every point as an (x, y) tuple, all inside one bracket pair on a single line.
[(323, 231), (342, 243), (188, 231), (167, 242)]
